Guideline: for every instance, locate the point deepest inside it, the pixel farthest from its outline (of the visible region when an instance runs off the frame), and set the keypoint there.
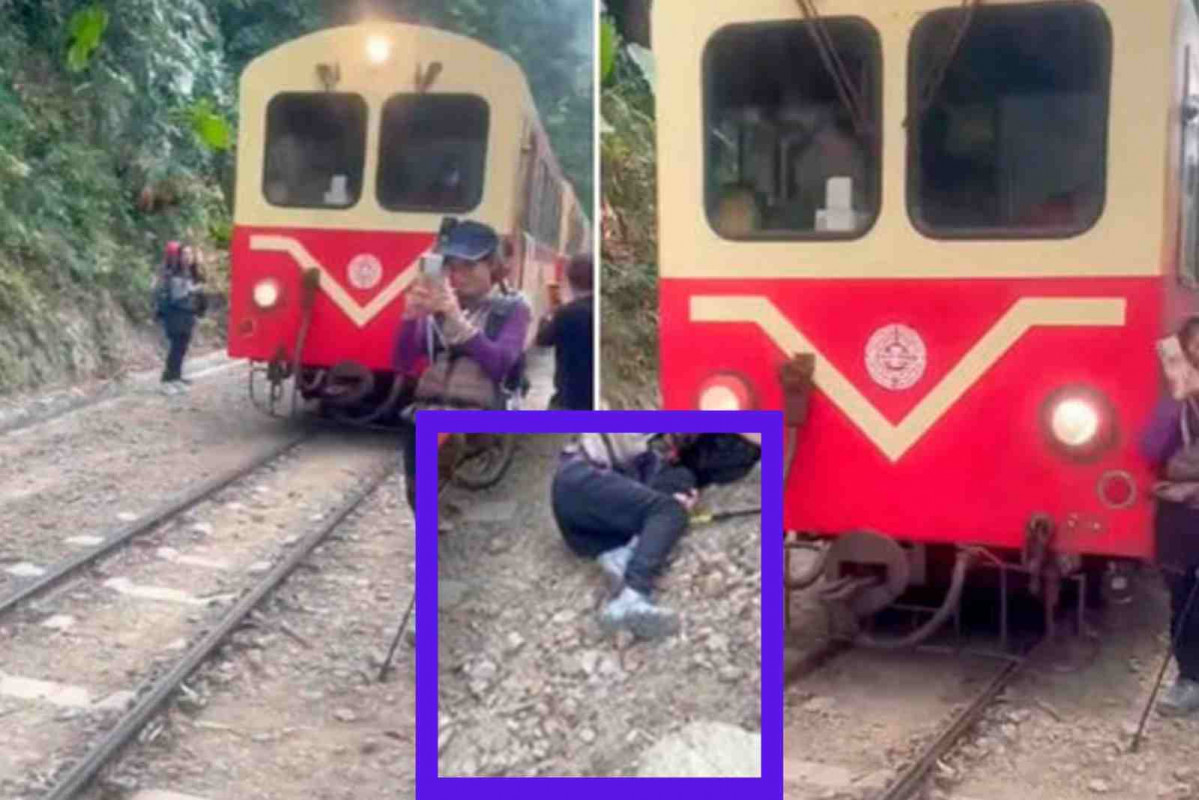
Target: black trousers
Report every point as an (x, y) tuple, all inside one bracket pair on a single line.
[(408, 455), (1187, 650), (179, 336), (598, 510)]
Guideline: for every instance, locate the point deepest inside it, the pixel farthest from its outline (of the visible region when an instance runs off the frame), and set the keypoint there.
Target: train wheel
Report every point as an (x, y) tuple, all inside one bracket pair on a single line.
[(486, 458)]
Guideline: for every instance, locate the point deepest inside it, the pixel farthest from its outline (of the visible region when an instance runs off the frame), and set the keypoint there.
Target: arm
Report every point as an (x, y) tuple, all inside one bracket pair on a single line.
[(497, 356), (547, 330), (410, 357), (1163, 437)]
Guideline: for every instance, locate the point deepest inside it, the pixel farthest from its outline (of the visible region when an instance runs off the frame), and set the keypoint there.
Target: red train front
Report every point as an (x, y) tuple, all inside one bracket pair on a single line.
[(978, 219), (355, 143)]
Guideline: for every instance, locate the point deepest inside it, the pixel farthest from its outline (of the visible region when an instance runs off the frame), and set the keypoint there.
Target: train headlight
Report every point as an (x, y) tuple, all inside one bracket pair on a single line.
[(1075, 422), (1079, 422), (725, 392), (378, 49), (266, 294)]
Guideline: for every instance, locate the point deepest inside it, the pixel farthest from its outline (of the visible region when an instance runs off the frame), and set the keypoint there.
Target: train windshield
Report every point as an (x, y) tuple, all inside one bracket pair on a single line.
[(792, 111), (315, 150), (432, 153), (1009, 120)]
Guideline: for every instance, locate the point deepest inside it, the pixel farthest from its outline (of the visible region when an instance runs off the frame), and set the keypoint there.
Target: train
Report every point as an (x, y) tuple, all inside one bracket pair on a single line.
[(978, 219), (355, 143)]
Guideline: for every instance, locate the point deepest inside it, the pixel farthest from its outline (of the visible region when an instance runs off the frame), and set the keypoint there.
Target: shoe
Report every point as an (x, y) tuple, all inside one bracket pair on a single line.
[(1180, 699), (614, 562), (633, 610), (182, 386), (185, 381), (169, 389)]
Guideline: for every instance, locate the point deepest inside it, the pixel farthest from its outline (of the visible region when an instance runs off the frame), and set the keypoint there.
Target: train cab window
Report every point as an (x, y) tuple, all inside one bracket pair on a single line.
[(1008, 120), (432, 152), (791, 115), (315, 150)]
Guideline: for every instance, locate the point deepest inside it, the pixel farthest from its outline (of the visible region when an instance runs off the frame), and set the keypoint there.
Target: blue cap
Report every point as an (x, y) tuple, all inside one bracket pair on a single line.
[(471, 241)]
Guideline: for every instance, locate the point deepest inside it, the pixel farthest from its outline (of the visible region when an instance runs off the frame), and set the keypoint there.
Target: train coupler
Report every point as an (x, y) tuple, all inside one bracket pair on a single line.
[(1048, 567)]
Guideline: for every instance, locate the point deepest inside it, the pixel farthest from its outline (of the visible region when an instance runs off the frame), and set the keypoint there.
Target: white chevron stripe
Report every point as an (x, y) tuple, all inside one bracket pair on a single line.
[(896, 440), (360, 315)]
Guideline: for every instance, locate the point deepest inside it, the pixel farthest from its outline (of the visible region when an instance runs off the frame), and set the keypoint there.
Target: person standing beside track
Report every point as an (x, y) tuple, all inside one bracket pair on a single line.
[(177, 305), (1176, 526), (469, 319), (569, 330)]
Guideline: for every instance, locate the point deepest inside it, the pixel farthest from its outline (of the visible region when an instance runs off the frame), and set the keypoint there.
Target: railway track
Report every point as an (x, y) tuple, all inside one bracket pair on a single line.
[(129, 612), (936, 699), (72, 564)]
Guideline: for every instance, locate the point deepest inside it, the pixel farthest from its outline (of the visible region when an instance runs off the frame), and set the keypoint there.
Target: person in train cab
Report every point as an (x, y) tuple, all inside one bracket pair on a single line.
[(1171, 444), (463, 332), (622, 502), (569, 330), (178, 302)]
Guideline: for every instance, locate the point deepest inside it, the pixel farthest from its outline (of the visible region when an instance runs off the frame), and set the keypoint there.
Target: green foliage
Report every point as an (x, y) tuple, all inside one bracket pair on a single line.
[(630, 241), (607, 50), (86, 29), (213, 130)]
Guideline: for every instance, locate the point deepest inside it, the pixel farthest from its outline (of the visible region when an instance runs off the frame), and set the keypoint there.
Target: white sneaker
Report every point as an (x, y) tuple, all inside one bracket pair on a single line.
[(615, 562), (1180, 700), (634, 611), (169, 389)]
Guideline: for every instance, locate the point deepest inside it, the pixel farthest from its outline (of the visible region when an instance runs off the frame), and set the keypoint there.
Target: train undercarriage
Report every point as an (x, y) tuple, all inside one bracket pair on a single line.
[(861, 575)]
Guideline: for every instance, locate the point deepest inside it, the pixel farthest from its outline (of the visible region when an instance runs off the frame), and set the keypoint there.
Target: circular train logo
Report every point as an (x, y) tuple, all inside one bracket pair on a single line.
[(895, 357), (364, 272)]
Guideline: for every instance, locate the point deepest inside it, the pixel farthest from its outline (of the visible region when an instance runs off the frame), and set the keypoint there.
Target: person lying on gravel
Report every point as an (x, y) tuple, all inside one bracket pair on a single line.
[(619, 501)]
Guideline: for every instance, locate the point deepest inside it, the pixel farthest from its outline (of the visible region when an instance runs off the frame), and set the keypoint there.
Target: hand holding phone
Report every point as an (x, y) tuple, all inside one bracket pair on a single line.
[(1181, 374)]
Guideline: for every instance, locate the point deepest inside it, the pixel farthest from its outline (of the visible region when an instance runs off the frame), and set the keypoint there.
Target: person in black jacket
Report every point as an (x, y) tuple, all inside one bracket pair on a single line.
[(177, 304), (569, 330)]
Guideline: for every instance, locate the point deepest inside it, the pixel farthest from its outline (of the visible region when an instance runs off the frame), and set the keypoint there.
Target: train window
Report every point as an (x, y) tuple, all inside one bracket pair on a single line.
[(315, 149), (1008, 120), (791, 115), (432, 152)]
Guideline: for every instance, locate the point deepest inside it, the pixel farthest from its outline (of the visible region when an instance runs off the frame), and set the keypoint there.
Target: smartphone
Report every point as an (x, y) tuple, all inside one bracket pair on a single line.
[(432, 266)]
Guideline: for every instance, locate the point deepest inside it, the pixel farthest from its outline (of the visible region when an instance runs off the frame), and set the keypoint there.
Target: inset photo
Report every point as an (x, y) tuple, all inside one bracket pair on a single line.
[(599, 605), (599, 611)]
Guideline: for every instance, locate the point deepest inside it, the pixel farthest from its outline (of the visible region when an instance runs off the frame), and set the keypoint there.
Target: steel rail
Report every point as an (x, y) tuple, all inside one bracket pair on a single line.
[(911, 780), (154, 693), (171, 509)]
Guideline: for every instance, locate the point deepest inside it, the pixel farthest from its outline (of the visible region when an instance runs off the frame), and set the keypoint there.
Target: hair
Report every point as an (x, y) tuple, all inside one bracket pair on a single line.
[(580, 273)]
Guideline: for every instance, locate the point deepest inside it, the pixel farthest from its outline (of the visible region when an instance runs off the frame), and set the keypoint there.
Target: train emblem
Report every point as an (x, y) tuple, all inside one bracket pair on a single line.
[(364, 272), (896, 357)]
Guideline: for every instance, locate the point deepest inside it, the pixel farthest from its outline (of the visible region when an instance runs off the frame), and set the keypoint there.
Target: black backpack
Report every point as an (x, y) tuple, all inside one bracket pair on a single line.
[(719, 458)]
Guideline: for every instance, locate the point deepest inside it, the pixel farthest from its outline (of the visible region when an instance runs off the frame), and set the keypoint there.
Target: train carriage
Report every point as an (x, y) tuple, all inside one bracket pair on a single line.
[(355, 143), (978, 217)]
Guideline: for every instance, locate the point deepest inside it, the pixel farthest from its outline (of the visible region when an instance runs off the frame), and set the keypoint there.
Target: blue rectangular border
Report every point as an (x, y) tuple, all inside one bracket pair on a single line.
[(767, 423)]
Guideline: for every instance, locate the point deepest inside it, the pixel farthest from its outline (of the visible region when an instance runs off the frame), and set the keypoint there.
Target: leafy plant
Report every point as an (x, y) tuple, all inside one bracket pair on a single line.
[(607, 52), (213, 130), (86, 29)]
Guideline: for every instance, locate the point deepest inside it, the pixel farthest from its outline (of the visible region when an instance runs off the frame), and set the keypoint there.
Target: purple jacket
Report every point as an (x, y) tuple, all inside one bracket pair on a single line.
[(496, 356), (1163, 436)]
